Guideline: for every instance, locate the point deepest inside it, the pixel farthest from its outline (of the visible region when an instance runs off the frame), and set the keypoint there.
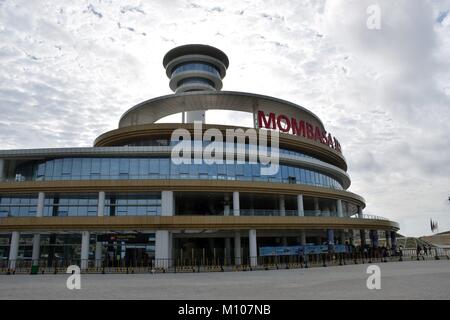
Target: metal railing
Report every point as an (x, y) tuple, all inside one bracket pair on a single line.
[(264, 212), (368, 216), (220, 263)]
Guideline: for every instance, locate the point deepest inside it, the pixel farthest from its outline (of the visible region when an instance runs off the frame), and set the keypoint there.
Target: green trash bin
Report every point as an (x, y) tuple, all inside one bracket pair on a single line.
[(34, 269)]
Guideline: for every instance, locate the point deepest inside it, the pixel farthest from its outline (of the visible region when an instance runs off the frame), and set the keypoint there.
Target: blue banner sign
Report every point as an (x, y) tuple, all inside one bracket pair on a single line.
[(299, 250)]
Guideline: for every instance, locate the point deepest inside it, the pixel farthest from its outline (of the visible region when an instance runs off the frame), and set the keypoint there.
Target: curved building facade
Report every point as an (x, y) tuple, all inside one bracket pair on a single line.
[(126, 202)]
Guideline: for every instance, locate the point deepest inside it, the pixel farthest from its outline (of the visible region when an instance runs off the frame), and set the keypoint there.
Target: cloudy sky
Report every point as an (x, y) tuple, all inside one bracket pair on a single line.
[(69, 69)]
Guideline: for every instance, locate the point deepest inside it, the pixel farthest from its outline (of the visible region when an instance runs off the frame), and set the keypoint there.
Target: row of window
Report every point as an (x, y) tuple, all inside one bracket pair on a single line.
[(195, 80), (163, 168), (167, 142), (72, 205), (196, 66)]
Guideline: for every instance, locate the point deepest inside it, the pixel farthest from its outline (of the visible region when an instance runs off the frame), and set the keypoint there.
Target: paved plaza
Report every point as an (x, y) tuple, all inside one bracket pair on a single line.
[(399, 280)]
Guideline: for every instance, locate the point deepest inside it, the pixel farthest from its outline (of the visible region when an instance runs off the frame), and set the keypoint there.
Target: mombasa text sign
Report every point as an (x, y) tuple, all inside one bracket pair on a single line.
[(297, 127)]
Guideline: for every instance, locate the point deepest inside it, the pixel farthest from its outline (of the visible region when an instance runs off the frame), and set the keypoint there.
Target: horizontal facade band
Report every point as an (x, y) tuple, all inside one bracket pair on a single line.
[(154, 151), (164, 130), (191, 222), (69, 186), (157, 108)]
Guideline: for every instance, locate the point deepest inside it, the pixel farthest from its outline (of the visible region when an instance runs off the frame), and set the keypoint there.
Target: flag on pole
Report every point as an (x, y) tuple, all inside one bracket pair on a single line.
[(433, 225)]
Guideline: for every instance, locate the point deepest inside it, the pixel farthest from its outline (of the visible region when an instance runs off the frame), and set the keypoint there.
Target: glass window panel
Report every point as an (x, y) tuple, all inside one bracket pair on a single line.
[(95, 166), (23, 211), (67, 166), (76, 167), (58, 166), (204, 168), (49, 168), (291, 171), (72, 211), (164, 166), (85, 167), (240, 169), (134, 167), (14, 211), (114, 168), (143, 167), (302, 175), (124, 165), (104, 167), (174, 169), (63, 211), (255, 170), (230, 170), (221, 169), (41, 170), (121, 211), (121, 202), (184, 168), (284, 172), (193, 170)]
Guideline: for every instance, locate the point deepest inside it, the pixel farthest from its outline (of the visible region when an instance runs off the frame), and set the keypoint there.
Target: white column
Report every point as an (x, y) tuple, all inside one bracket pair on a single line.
[(339, 208), (316, 207), (163, 249), (84, 249), (300, 208), (167, 203), (192, 116), (14, 249), (303, 237), (36, 249), (360, 214), (236, 205), (282, 205), (101, 203), (2, 169), (226, 212), (98, 253), (40, 204), (253, 248), (226, 207), (237, 248)]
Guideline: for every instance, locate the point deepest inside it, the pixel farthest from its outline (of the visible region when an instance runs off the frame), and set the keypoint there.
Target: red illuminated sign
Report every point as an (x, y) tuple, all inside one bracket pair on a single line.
[(300, 128)]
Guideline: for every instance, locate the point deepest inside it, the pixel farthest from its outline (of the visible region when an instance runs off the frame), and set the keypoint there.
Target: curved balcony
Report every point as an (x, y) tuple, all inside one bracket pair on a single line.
[(307, 213), (190, 223), (368, 216)]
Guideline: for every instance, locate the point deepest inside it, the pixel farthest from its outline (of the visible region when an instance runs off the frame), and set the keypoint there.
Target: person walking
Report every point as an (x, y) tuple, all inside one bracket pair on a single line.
[(418, 249)]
